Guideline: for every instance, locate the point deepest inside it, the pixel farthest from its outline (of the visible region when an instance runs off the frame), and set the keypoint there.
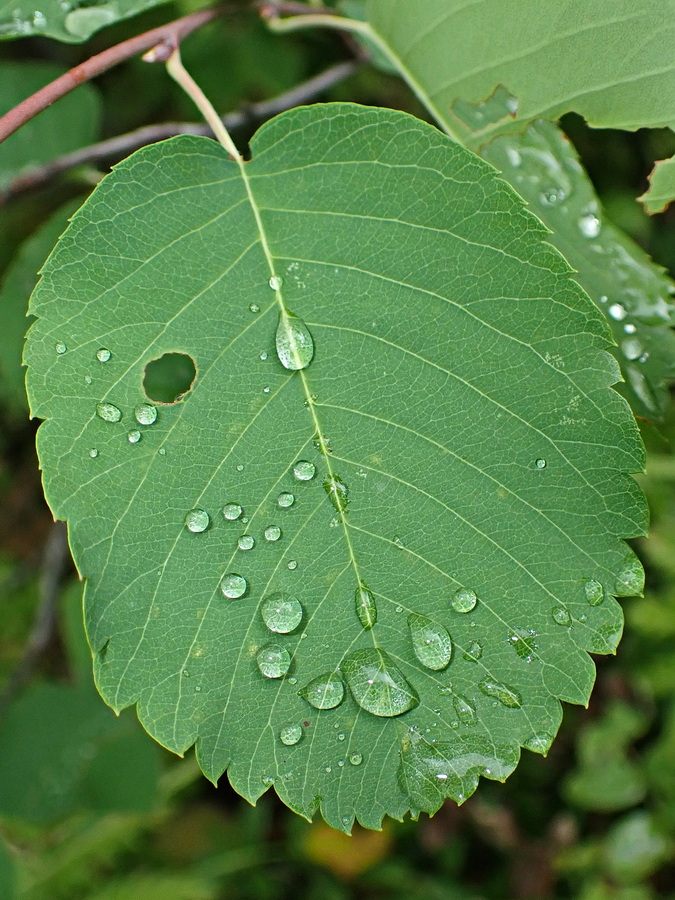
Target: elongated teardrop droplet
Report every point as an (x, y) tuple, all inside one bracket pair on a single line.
[(338, 492), (431, 642), (366, 608), (377, 685), (295, 345), (506, 695)]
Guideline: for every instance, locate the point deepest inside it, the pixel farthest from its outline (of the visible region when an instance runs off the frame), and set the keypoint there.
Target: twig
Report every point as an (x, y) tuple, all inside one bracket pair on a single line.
[(122, 145), (172, 34), (54, 565), (271, 8)]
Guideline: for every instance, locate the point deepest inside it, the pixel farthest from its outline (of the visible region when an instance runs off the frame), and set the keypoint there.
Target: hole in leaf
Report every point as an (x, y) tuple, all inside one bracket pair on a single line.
[(169, 378)]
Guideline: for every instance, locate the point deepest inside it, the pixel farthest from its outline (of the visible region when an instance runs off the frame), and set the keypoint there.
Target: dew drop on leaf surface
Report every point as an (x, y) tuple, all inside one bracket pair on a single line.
[(377, 685), (506, 695), (134, 436), (60, 347), (290, 734), (103, 355), (272, 533), (540, 463), (273, 661), (233, 585), (232, 511), (595, 593), (304, 470), (145, 414), (473, 652), (324, 692), (197, 520), (463, 600), (338, 492), (294, 342), (108, 412), (281, 614), (539, 743), (93, 452), (356, 759), (366, 608), (466, 712), (561, 615), (285, 500), (431, 642), (246, 542)]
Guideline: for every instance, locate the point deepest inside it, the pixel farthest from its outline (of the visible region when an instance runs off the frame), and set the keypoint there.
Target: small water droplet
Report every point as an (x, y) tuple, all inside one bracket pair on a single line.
[(145, 414), (254, 308), (342, 736), (275, 282), (324, 692), (272, 533), (281, 614), (292, 564), (232, 511), (338, 492), (161, 451), (273, 660), (290, 734), (93, 453), (266, 389), (524, 644), (561, 615), (304, 470), (539, 743), (398, 543), (108, 412), (103, 354), (39, 20), (617, 312), (263, 355), (186, 674), (465, 710), (589, 225), (464, 600), (473, 652), (356, 759), (632, 348), (431, 642), (595, 593), (629, 328), (540, 463), (246, 542), (134, 437), (506, 695), (233, 585), (240, 467), (284, 500), (366, 608), (197, 520), (60, 347), (294, 342), (88, 379), (197, 689), (377, 685)]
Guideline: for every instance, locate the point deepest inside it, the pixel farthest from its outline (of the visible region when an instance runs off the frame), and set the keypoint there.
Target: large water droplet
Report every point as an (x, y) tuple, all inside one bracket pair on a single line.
[(232, 511), (103, 354), (281, 614), (295, 346), (197, 520), (376, 683), (561, 615), (60, 347), (276, 282), (304, 470), (285, 500), (324, 692), (473, 652), (108, 412), (506, 695), (463, 600), (290, 734), (366, 608), (431, 642), (589, 225), (273, 661), (145, 414), (338, 492), (272, 533), (466, 712), (246, 542), (82, 22), (617, 312), (595, 593), (233, 585)]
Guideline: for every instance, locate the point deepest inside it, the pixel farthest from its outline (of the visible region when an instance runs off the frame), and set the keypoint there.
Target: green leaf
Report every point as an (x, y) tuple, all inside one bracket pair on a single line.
[(633, 292), (70, 124), (433, 451), (504, 64), (661, 192), (71, 21), (7, 872)]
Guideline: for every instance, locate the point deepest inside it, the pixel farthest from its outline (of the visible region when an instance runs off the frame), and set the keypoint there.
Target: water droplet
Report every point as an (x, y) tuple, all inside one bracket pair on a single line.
[(273, 661), (162, 451), (589, 225), (93, 453), (629, 328), (540, 463), (464, 600), (431, 642), (502, 692), (272, 533), (539, 743), (473, 652), (233, 585), (263, 355), (552, 196), (275, 282), (366, 608), (197, 520), (246, 542), (266, 389), (632, 348), (145, 414), (134, 437), (328, 770), (108, 412), (342, 736), (295, 345), (398, 543), (240, 467), (524, 644), (103, 355), (304, 470), (39, 20), (324, 692), (466, 711), (292, 564), (631, 580), (232, 511), (377, 684), (88, 379), (338, 492), (254, 308), (284, 500), (81, 23), (290, 734), (595, 593), (356, 759), (281, 614), (186, 674), (561, 615), (617, 312), (60, 347)]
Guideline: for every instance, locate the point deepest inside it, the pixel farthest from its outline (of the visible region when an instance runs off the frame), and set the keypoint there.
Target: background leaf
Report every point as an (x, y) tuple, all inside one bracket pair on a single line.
[(452, 466), (72, 21), (661, 190)]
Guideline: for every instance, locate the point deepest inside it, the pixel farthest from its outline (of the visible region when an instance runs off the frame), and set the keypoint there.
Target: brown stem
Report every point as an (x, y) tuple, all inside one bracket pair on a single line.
[(170, 34)]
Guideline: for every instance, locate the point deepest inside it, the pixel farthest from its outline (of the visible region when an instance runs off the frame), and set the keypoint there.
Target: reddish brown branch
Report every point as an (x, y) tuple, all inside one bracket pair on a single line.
[(170, 34)]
